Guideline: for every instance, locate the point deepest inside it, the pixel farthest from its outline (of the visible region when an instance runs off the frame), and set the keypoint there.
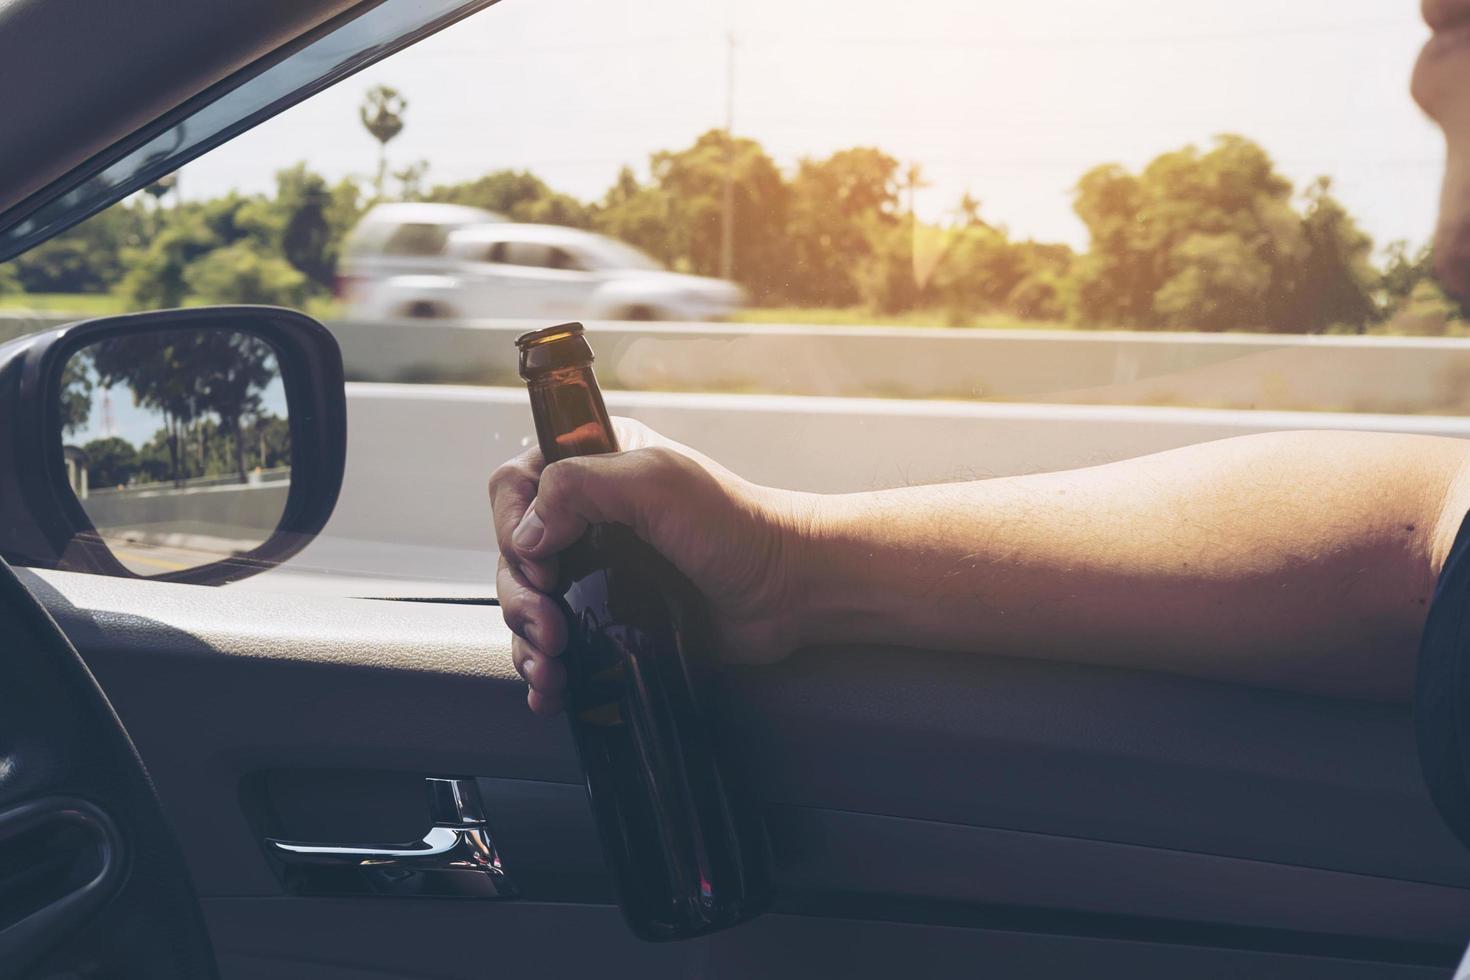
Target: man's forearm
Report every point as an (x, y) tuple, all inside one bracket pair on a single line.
[(1301, 560)]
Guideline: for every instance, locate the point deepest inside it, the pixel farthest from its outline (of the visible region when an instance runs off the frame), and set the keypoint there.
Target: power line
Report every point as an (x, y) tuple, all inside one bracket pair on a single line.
[(727, 207)]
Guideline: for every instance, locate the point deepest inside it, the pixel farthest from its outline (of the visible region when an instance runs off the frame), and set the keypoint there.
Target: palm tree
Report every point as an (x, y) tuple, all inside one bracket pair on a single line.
[(382, 113), (913, 180)]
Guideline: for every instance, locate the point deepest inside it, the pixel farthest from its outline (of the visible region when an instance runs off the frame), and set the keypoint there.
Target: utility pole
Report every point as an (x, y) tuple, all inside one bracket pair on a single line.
[(727, 210)]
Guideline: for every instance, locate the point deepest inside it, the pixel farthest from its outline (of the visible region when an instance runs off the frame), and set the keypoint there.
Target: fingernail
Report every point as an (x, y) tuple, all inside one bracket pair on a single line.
[(528, 532)]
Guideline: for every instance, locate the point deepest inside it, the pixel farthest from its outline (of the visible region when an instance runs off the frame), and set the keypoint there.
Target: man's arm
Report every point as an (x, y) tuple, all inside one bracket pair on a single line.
[(1299, 560)]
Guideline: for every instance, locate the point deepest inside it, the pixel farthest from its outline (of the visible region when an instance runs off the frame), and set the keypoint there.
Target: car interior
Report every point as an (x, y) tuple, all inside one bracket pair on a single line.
[(930, 814)]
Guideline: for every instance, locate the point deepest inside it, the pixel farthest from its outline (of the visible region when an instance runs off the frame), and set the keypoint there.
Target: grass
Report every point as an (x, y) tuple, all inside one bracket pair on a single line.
[(105, 304), (82, 304)]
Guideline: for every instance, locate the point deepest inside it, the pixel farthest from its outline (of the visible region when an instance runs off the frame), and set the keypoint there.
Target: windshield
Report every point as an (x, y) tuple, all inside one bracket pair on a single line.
[(939, 241)]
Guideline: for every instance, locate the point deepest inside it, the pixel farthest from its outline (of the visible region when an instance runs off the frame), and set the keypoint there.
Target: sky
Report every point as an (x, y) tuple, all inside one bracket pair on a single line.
[(115, 413), (1010, 101)]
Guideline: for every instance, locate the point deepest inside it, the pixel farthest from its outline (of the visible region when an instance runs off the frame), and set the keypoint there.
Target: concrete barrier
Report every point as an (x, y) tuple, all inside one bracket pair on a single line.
[(413, 517), (239, 513), (1246, 371), (1391, 375)]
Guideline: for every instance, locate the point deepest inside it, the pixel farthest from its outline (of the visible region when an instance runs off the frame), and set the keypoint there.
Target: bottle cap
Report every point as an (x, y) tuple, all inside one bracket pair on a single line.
[(547, 334), (552, 348)]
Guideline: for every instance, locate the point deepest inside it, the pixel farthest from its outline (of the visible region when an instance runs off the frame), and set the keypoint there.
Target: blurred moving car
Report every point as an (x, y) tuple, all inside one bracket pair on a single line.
[(500, 269), (401, 238)]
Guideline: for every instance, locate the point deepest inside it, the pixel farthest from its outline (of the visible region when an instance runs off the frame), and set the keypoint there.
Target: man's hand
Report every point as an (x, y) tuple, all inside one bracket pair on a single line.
[(736, 541)]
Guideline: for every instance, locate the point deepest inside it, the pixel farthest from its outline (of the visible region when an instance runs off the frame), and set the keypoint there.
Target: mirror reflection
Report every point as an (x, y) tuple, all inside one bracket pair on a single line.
[(177, 444)]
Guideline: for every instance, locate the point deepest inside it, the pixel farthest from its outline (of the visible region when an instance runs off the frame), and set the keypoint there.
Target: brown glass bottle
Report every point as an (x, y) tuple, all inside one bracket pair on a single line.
[(686, 848)]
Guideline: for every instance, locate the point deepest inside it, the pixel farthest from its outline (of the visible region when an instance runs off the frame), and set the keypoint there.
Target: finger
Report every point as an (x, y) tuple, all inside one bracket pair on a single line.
[(529, 613), (543, 673), (512, 487), (616, 489), (633, 434), (543, 704)]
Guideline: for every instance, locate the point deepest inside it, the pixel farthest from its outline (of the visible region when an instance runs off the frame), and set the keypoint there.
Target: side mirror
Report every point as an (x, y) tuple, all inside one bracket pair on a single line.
[(198, 445)]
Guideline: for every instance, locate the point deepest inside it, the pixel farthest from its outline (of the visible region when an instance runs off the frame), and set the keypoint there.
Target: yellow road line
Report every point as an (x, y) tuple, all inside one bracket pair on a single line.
[(128, 557)]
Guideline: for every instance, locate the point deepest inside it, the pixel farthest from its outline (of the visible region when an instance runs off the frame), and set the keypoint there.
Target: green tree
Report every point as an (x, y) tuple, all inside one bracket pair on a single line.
[(240, 273), (687, 189), (76, 393), (203, 383), (839, 206), (234, 369), (155, 276), (1211, 240), (271, 435), (1335, 282), (88, 258), (1403, 271), (410, 179), (159, 375), (307, 238), (111, 462), (381, 113), (519, 195)]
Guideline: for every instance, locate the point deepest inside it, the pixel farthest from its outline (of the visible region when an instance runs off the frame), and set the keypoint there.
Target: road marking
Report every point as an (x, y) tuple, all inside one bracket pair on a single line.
[(126, 557)]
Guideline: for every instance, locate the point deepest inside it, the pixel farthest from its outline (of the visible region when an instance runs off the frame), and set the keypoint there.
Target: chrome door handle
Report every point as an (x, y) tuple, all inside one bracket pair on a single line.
[(455, 858)]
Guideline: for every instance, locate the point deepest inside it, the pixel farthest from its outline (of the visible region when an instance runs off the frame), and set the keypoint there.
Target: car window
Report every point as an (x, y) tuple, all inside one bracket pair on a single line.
[(987, 238), (416, 239), (529, 253), (562, 258)]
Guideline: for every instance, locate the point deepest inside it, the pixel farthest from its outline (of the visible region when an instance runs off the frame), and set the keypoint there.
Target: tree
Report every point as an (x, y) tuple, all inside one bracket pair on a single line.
[(157, 273), (306, 236), (381, 113), (158, 373), (76, 393), (272, 438), (240, 273), (839, 204), (1402, 272), (232, 369), (411, 180), (687, 189), (968, 210), (189, 376), (1335, 282), (88, 258), (111, 462), (519, 195), (1210, 240)]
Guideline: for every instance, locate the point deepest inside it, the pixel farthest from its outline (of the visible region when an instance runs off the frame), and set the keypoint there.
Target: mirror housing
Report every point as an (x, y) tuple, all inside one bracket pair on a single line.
[(42, 522)]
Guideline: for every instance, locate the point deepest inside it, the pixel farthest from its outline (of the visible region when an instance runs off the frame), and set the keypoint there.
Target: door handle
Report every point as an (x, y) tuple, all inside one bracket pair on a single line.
[(455, 859)]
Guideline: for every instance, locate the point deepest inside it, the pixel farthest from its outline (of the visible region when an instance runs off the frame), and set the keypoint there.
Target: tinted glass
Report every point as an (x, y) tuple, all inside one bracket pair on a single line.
[(416, 240)]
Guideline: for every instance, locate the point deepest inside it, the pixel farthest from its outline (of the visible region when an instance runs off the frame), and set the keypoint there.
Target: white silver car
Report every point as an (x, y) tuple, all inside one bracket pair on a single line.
[(401, 238), (535, 272)]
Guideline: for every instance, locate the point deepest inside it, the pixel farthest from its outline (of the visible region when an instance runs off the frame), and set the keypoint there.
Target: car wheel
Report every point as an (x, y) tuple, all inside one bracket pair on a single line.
[(641, 312), (425, 310)]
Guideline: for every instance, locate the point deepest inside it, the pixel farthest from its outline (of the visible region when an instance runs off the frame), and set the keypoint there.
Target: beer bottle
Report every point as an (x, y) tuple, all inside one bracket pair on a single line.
[(687, 849)]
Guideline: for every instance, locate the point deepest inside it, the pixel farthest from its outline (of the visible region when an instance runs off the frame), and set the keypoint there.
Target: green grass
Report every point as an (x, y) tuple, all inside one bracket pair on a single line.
[(82, 304), (861, 317), (104, 304)]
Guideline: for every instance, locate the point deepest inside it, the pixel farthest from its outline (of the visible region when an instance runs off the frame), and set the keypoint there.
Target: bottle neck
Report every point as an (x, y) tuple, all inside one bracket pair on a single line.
[(571, 419)]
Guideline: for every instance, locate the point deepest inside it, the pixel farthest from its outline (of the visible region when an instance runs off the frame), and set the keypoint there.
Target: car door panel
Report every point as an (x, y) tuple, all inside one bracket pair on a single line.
[(982, 807)]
